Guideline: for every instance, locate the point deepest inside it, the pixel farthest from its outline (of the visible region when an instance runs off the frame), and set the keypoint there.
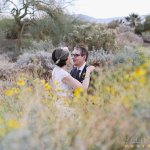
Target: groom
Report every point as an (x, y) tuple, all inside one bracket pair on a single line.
[(79, 55)]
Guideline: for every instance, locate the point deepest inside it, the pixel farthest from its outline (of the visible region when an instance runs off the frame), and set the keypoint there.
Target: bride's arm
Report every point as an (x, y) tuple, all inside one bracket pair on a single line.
[(74, 83)]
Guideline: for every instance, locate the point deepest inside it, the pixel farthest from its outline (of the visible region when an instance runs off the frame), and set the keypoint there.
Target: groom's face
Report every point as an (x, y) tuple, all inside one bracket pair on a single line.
[(78, 59)]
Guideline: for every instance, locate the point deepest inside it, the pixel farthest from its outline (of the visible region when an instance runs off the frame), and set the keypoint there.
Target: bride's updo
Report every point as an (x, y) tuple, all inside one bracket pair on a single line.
[(59, 56)]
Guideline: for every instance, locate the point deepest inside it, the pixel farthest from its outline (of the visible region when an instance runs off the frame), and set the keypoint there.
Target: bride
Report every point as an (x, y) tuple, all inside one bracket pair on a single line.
[(63, 82)]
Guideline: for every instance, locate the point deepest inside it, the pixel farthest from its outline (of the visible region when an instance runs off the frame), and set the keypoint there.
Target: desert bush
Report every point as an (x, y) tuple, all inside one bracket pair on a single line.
[(40, 46), (7, 74), (146, 36), (46, 28), (12, 33), (7, 28), (124, 28), (10, 47), (128, 38), (37, 64), (139, 29), (100, 58), (114, 24), (95, 36), (128, 55), (7, 71), (147, 23)]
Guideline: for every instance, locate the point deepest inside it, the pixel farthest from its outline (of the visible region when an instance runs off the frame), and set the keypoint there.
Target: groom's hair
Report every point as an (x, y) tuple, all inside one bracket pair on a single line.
[(59, 56), (83, 50)]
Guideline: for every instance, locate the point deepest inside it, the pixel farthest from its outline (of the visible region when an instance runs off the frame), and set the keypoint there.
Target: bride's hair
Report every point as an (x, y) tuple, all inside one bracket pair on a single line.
[(59, 56)]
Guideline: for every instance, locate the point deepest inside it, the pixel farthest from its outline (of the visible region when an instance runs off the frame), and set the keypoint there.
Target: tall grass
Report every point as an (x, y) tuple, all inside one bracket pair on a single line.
[(114, 116)]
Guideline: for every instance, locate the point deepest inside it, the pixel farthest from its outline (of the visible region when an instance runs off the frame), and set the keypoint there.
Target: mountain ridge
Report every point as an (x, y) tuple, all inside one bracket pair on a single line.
[(100, 20), (97, 20)]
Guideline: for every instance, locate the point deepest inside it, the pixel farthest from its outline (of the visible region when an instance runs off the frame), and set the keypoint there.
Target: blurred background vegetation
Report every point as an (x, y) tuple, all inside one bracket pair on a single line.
[(113, 115), (49, 21)]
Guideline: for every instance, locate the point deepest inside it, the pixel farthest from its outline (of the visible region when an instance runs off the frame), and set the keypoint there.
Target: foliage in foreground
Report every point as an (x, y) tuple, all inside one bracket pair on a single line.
[(110, 117)]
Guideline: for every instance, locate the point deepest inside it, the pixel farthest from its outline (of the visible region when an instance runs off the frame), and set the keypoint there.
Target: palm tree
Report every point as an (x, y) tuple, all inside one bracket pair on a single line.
[(133, 19)]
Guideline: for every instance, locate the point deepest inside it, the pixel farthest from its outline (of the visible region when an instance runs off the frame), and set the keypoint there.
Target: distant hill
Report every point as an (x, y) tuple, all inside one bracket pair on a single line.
[(96, 20), (101, 20)]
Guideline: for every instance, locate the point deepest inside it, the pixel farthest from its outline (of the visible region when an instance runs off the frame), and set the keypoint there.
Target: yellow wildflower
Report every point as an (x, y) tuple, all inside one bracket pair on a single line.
[(21, 82), (142, 80), (94, 99), (59, 90), (2, 132), (16, 90), (1, 121), (146, 64), (36, 81), (112, 91), (140, 72), (9, 92), (77, 92), (130, 77), (47, 87), (128, 86), (107, 89), (45, 101), (28, 89), (56, 82), (127, 102), (13, 124), (126, 77), (43, 81), (65, 102)]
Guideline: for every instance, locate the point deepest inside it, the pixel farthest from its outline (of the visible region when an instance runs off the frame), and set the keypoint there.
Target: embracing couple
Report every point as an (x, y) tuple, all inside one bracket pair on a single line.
[(79, 77)]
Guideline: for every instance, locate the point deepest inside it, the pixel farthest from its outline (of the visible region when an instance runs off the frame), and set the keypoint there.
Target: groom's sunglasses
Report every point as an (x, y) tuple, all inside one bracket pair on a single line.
[(75, 55)]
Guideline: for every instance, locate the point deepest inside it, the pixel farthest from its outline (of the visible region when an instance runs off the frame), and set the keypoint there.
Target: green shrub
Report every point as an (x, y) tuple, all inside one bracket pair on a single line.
[(46, 28), (146, 36), (114, 24), (12, 33), (95, 36), (7, 28), (147, 23), (139, 29)]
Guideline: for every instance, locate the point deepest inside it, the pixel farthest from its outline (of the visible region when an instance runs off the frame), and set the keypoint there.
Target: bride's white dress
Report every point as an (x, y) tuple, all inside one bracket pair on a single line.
[(58, 74), (62, 90)]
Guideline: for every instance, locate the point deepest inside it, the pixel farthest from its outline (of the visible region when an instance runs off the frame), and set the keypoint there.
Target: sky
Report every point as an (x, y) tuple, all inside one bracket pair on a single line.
[(110, 8)]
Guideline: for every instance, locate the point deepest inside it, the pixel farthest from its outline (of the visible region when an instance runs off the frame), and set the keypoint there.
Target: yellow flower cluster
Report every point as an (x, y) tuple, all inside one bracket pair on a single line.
[(139, 75), (140, 72), (21, 82), (8, 125), (77, 92), (12, 123), (47, 87), (12, 91), (110, 89)]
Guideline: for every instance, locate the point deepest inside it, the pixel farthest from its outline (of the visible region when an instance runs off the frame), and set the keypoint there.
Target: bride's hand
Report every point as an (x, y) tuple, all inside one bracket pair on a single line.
[(90, 69)]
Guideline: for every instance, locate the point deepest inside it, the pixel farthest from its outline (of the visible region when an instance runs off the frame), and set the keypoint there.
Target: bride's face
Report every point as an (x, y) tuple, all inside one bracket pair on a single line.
[(69, 60)]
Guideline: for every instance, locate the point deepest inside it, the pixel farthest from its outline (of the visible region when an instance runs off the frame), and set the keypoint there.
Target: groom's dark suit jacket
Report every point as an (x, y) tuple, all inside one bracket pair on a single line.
[(82, 75)]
